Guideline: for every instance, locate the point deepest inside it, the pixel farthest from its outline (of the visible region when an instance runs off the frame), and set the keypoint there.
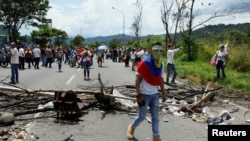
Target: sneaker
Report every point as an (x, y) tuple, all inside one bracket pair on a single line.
[(12, 82), (167, 83), (172, 82), (85, 78), (88, 78)]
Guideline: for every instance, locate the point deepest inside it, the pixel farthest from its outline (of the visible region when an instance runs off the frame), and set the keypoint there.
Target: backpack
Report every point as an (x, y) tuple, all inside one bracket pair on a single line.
[(59, 54)]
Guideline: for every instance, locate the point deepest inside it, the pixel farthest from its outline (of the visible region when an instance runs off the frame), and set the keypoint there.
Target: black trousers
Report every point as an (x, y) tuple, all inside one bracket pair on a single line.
[(21, 62)]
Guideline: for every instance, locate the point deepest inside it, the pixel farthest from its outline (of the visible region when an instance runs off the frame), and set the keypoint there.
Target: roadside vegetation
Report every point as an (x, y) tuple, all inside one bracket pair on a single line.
[(237, 65), (203, 73), (206, 42)]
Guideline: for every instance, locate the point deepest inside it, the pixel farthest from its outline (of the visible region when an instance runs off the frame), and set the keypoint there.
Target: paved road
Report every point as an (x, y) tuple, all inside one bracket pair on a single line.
[(113, 127)]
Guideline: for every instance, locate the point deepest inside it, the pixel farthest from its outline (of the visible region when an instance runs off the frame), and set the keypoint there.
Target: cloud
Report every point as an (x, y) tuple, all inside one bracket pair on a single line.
[(91, 18)]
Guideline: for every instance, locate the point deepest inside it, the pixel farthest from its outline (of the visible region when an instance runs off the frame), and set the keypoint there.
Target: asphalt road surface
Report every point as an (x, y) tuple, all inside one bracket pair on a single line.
[(91, 126)]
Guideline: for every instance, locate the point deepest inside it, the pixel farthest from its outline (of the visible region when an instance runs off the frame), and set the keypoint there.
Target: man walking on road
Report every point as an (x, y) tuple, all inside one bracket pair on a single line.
[(149, 77), (37, 56)]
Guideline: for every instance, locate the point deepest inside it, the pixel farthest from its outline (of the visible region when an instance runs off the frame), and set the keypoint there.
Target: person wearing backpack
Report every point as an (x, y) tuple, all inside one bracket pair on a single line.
[(86, 62)]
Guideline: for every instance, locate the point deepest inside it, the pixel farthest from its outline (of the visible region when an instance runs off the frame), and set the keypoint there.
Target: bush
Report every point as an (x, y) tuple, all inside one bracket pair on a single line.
[(239, 59)]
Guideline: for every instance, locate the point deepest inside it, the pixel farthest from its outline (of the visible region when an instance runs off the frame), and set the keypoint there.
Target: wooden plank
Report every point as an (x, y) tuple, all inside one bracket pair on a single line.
[(126, 101)]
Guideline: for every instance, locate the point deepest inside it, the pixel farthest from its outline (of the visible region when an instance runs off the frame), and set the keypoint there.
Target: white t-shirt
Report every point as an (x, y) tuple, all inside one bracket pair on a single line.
[(14, 59), (21, 52), (37, 52), (170, 55), (132, 55), (221, 56)]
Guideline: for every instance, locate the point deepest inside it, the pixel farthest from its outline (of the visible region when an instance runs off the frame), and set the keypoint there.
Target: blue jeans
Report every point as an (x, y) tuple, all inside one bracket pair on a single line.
[(85, 69), (44, 60), (151, 101), (14, 73), (220, 66), (59, 62), (170, 68)]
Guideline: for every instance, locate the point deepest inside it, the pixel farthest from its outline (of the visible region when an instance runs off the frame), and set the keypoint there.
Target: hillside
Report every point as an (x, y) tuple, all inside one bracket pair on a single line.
[(212, 30), (205, 31)]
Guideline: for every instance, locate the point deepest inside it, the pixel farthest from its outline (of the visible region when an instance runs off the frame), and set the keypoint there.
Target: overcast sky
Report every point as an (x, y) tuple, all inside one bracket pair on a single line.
[(91, 18)]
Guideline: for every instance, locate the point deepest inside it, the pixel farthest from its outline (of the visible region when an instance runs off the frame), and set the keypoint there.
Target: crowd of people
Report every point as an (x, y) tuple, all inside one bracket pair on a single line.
[(37, 56), (32, 56)]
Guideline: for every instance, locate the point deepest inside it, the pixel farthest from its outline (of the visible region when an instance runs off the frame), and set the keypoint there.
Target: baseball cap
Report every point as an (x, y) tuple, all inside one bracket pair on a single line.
[(222, 46), (13, 44)]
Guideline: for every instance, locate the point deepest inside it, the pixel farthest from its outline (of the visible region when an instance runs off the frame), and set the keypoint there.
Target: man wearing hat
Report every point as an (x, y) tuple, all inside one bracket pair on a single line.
[(14, 61)]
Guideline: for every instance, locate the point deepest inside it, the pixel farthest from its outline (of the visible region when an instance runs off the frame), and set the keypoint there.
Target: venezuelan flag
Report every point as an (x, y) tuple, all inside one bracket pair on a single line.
[(148, 70)]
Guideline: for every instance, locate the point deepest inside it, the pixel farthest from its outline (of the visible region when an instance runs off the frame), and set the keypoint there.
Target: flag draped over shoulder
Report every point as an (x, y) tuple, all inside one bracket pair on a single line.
[(149, 72)]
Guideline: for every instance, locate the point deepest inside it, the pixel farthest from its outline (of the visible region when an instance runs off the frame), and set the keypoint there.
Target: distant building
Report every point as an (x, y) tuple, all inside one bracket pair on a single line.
[(3, 35)]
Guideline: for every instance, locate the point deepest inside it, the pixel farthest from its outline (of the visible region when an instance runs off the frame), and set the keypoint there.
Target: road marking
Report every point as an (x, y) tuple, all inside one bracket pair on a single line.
[(31, 124), (70, 79)]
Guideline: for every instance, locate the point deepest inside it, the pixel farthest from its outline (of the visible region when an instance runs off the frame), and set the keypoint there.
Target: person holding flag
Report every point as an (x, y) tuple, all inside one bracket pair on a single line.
[(149, 77), (220, 59), (213, 61)]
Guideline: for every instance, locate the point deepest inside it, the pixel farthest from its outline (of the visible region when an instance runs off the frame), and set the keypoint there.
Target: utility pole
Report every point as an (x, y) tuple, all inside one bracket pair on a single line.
[(123, 18)]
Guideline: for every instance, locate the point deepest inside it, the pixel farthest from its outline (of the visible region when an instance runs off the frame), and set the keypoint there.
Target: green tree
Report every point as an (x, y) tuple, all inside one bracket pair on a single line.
[(94, 44), (42, 36), (16, 13), (47, 36), (114, 43), (137, 23), (234, 36), (59, 36), (78, 40)]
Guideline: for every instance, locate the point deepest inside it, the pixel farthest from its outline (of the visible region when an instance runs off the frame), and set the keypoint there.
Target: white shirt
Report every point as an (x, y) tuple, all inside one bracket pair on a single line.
[(37, 52), (170, 55), (132, 55), (14, 59), (221, 55), (21, 52)]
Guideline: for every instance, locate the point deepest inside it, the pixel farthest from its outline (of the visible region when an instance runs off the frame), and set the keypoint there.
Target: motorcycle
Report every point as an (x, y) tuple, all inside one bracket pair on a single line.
[(4, 60), (75, 61)]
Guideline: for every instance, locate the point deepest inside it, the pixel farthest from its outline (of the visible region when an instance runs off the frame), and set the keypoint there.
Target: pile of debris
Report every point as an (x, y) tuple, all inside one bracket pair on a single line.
[(21, 104)]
